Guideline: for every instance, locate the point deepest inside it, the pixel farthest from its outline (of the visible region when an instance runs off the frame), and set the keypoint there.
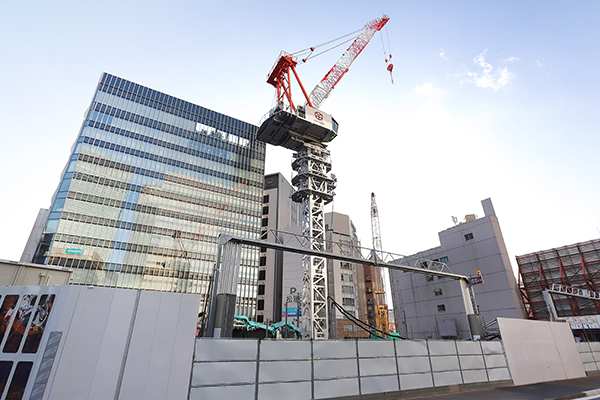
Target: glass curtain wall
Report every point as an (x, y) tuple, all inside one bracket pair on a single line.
[(151, 183)]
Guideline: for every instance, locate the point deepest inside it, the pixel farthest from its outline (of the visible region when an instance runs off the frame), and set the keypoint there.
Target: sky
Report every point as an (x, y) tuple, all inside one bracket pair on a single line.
[(493, 99)]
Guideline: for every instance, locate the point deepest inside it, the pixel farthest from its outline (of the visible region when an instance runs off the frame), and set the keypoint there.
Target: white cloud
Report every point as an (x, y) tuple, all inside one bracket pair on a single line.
[(512, 59), (539, 63), (488, 76), (442, 54), (427, 90)]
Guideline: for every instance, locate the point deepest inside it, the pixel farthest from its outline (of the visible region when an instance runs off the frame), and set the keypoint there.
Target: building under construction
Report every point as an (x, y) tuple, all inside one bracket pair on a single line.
[(575, 266)]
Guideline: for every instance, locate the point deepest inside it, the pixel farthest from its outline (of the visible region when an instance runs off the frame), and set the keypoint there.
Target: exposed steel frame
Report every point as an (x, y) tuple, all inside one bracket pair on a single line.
[(575, 265)]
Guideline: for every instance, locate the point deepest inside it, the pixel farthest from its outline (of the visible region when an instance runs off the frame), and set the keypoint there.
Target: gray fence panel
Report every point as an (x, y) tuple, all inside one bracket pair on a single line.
[(222, 392), (334, 349), (379, 384), (416, 381), (471, 362), (224, 373), (468, 348), (498, 374), (225, 349), (376, 348), (336, 388), (377, 366), (410, 365), (330, 369), (444, 363), (281, 371), (287, 391), (284, 350), (492, 347), (447, 378), (411, 348), (441, 347), (475, 375), (495, 361)]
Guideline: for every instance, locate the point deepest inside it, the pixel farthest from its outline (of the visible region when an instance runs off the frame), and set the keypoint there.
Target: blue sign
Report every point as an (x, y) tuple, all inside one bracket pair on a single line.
[(292, 312), (74, 251)]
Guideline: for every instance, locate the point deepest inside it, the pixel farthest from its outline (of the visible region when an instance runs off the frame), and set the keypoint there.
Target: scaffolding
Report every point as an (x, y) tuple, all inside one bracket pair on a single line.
[(576, 266)]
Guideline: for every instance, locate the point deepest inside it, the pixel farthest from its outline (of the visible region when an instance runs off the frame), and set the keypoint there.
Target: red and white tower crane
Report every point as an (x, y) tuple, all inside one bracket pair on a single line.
[(308, 131)]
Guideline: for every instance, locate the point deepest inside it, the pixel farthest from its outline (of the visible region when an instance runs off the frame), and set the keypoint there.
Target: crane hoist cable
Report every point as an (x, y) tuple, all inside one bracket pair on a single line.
[(311, 49), (387, 54)]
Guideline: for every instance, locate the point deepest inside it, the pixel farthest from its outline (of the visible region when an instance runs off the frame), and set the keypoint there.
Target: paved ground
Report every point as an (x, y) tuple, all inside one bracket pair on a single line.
[(569, 389)]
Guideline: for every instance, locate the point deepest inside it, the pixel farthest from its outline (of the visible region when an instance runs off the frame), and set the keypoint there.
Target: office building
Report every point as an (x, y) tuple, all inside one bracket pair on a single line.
[(151, 182), (426, 306)]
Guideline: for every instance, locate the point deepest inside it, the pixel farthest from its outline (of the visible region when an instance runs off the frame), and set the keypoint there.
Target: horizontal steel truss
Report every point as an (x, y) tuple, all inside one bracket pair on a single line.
[(353, 254)]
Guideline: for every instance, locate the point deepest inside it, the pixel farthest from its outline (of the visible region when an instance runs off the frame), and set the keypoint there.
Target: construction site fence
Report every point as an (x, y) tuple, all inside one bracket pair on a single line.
[(264, 369)]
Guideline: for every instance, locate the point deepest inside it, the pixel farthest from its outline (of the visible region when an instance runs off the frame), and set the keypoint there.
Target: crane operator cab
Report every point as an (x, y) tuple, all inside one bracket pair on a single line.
[(292, 130)]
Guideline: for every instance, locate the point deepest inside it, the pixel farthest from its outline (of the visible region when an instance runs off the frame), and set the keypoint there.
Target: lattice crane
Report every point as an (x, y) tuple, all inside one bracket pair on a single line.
[(308, 131), (381, 306)]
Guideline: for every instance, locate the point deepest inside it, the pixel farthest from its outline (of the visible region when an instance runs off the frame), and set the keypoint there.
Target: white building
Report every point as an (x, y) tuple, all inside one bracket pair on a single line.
[(432, 307)]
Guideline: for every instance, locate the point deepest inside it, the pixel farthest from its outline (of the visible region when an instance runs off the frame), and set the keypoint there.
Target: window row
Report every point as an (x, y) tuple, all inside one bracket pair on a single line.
[(167, 161), (196, 142), (166, 103)]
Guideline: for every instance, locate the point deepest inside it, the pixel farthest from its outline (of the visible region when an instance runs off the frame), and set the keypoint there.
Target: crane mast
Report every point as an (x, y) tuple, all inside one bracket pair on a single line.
[(307, 131), (381, 316)]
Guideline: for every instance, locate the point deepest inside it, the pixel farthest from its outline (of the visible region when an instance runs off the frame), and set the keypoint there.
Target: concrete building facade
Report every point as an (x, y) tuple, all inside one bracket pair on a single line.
[(432, 307), (151, 182), (279, 213), (345, 281)]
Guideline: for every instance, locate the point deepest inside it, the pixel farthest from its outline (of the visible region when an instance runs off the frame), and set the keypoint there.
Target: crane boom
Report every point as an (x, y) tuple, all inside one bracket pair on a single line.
[(382, 308), (323, 88)]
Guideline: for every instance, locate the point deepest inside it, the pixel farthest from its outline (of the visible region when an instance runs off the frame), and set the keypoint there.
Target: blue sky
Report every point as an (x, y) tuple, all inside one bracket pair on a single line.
[(491, 99)]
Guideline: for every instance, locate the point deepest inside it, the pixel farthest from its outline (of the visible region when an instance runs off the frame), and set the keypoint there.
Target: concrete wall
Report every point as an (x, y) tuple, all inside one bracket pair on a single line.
[(253, 369)]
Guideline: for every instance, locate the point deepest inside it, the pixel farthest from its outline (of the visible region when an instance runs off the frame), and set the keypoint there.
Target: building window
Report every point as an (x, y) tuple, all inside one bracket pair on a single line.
[(261, 275), (441, 307), (265, 221), (429, 278), (266, 198), (263, 261), (265, 210), (260, 318), (348, 328), (347, 302), (261, 305), (438, 292), (263, 249), (261, 289), (468, 236), (444, 259)]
